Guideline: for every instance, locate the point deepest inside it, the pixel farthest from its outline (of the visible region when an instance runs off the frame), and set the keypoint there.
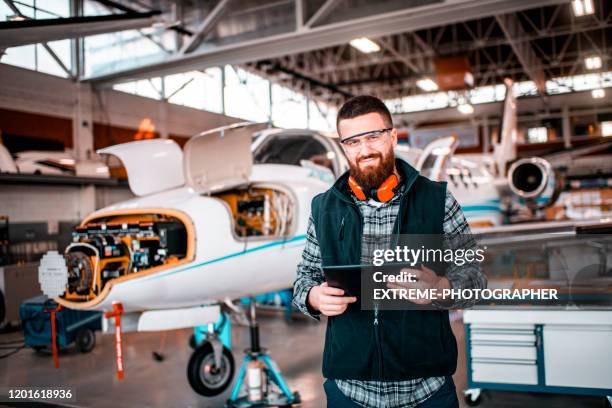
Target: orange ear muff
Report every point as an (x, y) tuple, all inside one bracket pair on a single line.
[(384, 193), (356, 189)]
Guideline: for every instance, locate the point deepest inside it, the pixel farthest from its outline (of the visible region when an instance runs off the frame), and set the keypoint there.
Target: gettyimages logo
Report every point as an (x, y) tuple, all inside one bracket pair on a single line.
[(417, 256)]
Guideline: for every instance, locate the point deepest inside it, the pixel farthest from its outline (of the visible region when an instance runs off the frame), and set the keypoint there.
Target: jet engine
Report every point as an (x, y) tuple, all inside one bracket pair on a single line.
[(534, 180)]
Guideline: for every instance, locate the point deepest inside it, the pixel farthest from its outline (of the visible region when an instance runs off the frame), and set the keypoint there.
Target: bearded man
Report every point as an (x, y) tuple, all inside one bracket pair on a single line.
[(380, 358)]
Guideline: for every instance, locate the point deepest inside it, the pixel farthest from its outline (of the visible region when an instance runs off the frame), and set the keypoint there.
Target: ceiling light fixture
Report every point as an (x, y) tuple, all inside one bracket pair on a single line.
[(598, 93), (606, 128), (427, 84), (582, 7), (593, 62), (465, 108), (365, 45)]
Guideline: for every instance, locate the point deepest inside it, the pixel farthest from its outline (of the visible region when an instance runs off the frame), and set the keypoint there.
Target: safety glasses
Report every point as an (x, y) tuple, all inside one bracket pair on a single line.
[(372, 138)]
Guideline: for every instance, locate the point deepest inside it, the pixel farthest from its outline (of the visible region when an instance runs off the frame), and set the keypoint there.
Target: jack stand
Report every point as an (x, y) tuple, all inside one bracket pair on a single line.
[(263, 396)]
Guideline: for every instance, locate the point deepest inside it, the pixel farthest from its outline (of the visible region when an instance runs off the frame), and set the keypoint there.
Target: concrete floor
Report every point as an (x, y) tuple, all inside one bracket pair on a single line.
[(296, 347)]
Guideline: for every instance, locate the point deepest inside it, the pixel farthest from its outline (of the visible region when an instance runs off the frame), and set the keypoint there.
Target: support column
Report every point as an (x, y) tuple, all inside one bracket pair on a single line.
[(87, 202), (162, 119), (270, 102), (566, 128), (82, 122), (223, 89), (486, 135), (77, 49), (308, 106)]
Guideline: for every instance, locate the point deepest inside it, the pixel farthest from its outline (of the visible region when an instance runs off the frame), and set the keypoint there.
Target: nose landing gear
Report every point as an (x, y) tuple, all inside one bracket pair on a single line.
[(211, 368)]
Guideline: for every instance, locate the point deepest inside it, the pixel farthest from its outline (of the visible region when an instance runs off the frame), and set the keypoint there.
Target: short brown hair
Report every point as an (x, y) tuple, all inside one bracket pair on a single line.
[(362, 105)]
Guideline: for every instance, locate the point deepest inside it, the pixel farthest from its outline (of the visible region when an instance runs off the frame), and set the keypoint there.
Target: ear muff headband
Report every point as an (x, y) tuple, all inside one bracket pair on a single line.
[(384, 193)]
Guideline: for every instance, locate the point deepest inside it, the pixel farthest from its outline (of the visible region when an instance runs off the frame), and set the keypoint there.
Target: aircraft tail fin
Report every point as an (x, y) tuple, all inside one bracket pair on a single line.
[(504, 150)]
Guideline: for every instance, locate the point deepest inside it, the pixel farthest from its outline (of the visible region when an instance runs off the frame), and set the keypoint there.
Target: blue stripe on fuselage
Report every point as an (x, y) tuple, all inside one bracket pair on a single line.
[(223, 258)]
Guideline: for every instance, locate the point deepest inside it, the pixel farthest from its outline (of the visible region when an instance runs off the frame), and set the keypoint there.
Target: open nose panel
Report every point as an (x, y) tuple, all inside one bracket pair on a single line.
[(220, 159), (152, 165)]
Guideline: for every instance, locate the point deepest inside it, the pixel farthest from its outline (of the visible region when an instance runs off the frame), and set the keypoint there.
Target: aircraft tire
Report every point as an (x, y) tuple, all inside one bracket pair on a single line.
[(204, 377)]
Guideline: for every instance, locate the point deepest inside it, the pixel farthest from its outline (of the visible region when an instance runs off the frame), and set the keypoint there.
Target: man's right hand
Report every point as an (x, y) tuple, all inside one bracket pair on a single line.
[(329, 301)]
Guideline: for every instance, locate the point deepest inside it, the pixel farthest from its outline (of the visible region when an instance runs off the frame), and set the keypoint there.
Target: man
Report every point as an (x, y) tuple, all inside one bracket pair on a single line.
[(380, 358)]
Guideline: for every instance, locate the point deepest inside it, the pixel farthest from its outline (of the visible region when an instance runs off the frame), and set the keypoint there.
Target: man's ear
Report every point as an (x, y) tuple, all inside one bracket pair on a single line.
[(394, 137)]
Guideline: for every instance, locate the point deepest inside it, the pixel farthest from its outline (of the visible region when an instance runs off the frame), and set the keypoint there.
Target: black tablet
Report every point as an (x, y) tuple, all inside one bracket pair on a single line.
[(348, 277), (345, 277)]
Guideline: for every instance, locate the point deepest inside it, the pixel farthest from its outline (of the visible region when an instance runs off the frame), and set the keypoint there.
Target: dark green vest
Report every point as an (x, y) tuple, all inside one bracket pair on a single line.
[(403, 344)]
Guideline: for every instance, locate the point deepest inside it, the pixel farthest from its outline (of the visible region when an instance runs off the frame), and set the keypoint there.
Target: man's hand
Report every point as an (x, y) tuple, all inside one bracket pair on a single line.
[(329, 301), (425, 279)]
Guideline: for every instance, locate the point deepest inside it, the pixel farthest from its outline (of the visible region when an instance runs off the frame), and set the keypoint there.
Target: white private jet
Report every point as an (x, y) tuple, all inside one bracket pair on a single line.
[(207, 226), (56, 163)]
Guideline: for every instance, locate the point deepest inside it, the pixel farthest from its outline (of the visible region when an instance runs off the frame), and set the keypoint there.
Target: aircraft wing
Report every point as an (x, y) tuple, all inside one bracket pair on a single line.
[(566, 157)]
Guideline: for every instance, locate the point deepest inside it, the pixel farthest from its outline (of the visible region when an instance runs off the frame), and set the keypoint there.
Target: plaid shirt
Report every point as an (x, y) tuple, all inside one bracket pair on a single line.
[(378, 220)]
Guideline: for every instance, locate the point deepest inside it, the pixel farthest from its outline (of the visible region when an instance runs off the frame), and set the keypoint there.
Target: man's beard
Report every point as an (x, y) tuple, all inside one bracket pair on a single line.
[(372, 178)]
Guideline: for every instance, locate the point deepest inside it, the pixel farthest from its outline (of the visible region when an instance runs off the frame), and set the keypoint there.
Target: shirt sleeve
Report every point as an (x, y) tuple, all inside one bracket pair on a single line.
[(458, 235), (309, 272)]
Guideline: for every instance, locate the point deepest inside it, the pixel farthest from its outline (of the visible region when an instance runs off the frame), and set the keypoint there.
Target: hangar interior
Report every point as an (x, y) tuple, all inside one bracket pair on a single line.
[(123, 132)]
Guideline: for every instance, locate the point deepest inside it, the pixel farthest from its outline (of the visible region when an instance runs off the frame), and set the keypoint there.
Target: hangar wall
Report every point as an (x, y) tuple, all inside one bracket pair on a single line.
[(33, 104), (33, 92)]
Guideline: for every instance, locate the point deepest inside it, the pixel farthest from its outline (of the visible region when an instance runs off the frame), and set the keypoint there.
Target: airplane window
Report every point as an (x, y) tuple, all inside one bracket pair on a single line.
[(291, 149)]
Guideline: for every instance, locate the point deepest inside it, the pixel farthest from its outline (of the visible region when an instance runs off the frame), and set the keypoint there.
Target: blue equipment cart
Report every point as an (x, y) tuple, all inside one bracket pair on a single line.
[(73, 326)]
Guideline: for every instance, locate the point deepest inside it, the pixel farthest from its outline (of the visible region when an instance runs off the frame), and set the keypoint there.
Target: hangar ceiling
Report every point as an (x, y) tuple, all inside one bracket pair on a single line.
[(304, 44)]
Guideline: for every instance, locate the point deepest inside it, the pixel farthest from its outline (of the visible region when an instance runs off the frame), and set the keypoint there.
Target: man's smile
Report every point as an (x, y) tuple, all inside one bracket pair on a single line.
[(369, 161)]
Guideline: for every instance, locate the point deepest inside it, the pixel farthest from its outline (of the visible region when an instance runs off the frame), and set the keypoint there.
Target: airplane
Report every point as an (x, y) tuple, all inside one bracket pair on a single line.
[(58, 163), (205, 223), (495, 188), (206, 226)]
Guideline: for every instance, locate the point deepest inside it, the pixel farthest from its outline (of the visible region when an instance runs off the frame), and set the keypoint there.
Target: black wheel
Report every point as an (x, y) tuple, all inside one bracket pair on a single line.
[(204, 377), (85, 340), (472, 402)]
